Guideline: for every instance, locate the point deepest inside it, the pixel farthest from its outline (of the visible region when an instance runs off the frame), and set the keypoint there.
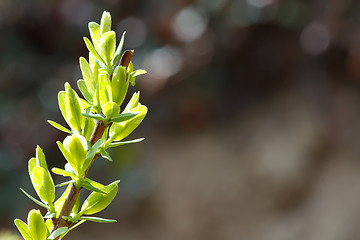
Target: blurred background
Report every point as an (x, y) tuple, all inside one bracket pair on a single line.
[(253, 125)]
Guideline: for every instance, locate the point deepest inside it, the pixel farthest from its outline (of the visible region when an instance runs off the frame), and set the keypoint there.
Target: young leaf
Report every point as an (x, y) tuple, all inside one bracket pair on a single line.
[(111, 109), (37, 225), (105, 23), (64, 183), (65, 152), (58, 126), (61, 100), (116, 144), (119, 85), (84, 90), (40, 158), (94, 30), (124, 117), (35, 200), (50, 215), (91, 48), (23, 229), (90, 187), (105, 94), (74, 109), (118, 51), (91, 153), (108, 45), (97, 219), (64, 173), (60, 201), (96, 202), (43, 184), (119, 131), (97, 116), (57, 233), (105, 154), (88, 75)]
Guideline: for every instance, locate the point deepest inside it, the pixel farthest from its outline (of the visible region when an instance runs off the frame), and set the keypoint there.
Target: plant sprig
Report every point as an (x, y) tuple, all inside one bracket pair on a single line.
[(95, 123)]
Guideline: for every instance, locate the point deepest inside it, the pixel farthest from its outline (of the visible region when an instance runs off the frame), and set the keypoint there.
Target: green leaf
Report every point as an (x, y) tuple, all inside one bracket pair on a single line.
[(108, 45), (91, 153), (124, 117), (43, 184), (94, 30), (90, 187), (84, 90), (97, 116), (23, 229), (87, 75), (134, 102), (40, 158), (74, 109), (61, 100), (89, 126), (50, 215), (64, 173), (96, 202), (119, 131), (111, 109), (101, 64), (58, 126), (119, 85), (65, 152), (105, 23), (31, 165), (105, 89), (64, 183), (57, 233), (116, 144), (91, 49), (137, 73), (97, 219), (105, 154), (118, 51), (37, 227), (35, 200), (77, 147)]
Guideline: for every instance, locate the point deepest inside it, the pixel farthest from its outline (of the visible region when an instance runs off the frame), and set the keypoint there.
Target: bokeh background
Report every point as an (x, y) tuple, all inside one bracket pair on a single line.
[(253, 128)]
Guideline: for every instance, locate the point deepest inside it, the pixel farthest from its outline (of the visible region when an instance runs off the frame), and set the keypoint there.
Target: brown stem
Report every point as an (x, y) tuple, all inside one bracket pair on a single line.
[(74, 192)]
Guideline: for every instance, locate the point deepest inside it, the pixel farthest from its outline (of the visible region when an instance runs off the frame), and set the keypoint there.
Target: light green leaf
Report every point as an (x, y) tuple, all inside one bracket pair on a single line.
[(105, 154), (77, 147), (108, 45), (119, 85), (64, 183), (49, 215), (31, 165), (111, 110), (74, 109), (89, 126), (23, 229), (97, 219), (64, 173), (61, 100), (57, 233), (94, 30), (118, 51), (119, 131), (91, 49), (94, 116), (90, 187), (124, 117), (134, 101), (65, 152), (43, 184), (87, 75), (49, 224), (58, 126), (96, 202), (35, 200), (84, 90), (40, 158), (105, 89), (105, 23), (37, 225), (116, 144), (137, 73)]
